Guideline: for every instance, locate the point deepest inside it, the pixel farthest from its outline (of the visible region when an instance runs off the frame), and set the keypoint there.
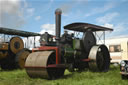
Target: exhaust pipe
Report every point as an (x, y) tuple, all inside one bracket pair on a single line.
[(58, 24)]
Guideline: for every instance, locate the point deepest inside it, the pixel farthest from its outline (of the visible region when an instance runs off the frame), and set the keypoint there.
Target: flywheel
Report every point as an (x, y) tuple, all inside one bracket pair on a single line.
[(16, 44), (100, 58), (37, 65), (89, 40)]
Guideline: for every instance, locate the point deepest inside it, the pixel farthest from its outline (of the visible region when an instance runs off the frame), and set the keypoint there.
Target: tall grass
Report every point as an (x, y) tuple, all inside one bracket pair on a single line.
[(19, 77)]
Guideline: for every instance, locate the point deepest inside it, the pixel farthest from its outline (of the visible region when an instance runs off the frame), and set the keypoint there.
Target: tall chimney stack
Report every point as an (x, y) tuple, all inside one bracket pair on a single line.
[(58, 24)]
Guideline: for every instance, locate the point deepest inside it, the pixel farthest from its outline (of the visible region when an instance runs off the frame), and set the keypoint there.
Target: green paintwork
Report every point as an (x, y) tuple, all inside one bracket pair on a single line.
[(69, 52), (77, 44)]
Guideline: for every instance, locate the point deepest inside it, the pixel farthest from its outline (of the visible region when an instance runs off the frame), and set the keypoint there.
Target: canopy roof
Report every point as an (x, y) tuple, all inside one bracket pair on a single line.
[(83, 27), (17, 32)]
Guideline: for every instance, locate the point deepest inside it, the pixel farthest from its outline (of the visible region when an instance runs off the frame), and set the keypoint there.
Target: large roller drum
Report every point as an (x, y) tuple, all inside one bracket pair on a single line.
[(16, 44), (37, 65), (89, 40), (100, 58), (21, 57)]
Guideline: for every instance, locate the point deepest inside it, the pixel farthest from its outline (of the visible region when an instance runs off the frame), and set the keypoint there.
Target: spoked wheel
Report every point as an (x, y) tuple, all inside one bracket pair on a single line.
[(100, 58), (37, 63)]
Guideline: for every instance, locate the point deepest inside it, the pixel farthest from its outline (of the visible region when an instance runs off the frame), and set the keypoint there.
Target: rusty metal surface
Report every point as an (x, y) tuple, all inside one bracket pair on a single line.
[(8, 31), (21, 57), (99, 58), (16, 44), (36, 60), (83, 27), (3, 46)]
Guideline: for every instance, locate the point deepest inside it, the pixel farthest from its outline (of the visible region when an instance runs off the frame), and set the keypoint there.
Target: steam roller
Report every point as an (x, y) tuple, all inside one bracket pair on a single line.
[(68, 51), (13, 54), (43, 69)]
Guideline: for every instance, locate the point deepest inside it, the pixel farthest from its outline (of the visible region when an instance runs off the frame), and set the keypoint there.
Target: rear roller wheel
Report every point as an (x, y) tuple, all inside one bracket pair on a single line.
[(37, 65), (100, 58)]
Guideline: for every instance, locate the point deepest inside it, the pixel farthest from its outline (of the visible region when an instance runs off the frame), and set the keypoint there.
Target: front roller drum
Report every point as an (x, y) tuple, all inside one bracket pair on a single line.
[(37, 65), (99, 58)]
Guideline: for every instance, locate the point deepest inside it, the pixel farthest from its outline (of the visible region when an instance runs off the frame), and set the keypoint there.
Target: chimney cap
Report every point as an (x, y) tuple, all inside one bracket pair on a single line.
[(58, 11)]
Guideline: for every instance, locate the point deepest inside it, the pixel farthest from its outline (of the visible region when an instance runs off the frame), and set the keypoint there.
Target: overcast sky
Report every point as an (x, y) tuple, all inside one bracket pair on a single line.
[(38, 15)]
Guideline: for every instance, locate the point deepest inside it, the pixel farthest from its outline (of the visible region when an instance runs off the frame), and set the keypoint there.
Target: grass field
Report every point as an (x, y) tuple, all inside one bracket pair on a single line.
[(19, 77)]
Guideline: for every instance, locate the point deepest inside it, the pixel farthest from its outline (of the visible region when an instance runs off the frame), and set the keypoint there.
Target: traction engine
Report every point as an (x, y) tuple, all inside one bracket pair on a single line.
[(68, 52), (13, 51)]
